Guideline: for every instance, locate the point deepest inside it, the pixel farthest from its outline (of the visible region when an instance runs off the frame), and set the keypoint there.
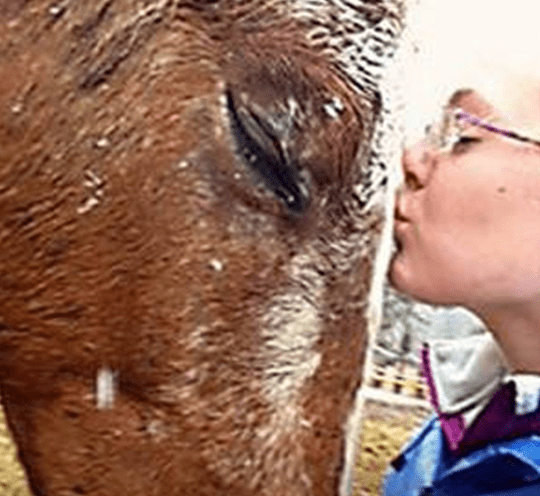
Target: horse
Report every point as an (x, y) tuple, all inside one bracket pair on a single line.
[(193, 205)]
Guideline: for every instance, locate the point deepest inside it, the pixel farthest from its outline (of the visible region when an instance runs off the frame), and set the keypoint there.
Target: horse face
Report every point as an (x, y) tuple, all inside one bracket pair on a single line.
[(189, 235)]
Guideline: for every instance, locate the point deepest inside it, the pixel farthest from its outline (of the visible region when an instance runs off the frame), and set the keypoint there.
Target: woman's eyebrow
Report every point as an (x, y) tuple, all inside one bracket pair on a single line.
[(459, 97), (471, 102)]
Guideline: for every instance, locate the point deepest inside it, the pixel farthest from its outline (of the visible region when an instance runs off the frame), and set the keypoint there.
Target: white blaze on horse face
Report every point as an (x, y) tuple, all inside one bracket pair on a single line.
[(291, 328)]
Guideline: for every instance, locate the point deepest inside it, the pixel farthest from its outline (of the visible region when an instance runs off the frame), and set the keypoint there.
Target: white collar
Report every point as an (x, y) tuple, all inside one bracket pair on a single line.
[(467, 372)]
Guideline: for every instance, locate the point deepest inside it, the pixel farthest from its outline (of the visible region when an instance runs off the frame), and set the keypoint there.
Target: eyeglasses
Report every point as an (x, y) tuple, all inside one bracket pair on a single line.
[(445, 134)]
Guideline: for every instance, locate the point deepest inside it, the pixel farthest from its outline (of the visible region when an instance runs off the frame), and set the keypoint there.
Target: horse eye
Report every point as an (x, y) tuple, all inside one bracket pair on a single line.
[(261, 151)]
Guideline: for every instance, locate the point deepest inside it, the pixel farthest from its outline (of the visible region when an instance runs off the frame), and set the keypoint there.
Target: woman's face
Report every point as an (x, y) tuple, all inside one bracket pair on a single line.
[(468, 221)]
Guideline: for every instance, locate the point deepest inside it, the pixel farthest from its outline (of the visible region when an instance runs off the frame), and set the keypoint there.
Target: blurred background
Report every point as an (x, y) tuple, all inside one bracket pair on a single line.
[(396, 400)]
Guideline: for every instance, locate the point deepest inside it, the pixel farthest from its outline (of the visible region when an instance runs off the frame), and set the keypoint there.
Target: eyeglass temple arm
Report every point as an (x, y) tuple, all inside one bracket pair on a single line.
[(461, 114)]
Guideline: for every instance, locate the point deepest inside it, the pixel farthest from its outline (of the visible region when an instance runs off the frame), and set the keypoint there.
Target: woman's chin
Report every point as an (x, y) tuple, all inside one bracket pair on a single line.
[(397, 273), (407, 281)]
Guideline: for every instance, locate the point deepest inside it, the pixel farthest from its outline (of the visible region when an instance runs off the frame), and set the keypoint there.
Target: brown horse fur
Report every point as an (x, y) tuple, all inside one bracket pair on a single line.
[(173, 319)]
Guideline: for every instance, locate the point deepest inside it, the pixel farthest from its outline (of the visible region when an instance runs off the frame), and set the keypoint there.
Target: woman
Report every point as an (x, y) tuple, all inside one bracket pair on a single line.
[(467, 225), (467, 229), (468, 222)]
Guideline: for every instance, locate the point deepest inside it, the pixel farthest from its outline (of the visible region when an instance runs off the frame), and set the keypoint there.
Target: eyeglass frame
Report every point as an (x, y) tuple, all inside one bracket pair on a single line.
[(449, 132)]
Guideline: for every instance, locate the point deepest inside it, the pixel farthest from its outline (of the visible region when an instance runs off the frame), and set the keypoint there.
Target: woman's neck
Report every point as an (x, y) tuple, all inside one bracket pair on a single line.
[(517, 329)]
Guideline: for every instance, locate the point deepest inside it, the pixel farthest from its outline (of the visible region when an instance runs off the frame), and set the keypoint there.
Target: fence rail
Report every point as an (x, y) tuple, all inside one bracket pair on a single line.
[(400, 383)]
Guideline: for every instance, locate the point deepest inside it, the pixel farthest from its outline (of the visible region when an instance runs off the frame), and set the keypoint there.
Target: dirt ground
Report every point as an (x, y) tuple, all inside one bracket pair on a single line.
[(385, 429), (12, 482)]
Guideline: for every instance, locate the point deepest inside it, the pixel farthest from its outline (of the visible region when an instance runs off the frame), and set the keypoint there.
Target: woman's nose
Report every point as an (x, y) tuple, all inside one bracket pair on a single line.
[(417, 162)]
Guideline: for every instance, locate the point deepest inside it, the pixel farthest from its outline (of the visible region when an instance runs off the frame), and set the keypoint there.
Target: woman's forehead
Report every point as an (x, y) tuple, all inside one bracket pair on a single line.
[(471, 44), (514, 100)]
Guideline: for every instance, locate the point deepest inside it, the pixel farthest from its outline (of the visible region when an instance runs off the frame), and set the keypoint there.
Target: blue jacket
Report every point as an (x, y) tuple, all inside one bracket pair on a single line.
[(427, 467)]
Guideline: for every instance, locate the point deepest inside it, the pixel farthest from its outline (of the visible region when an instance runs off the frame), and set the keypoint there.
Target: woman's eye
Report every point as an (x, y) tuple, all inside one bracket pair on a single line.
[(464, 142)]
